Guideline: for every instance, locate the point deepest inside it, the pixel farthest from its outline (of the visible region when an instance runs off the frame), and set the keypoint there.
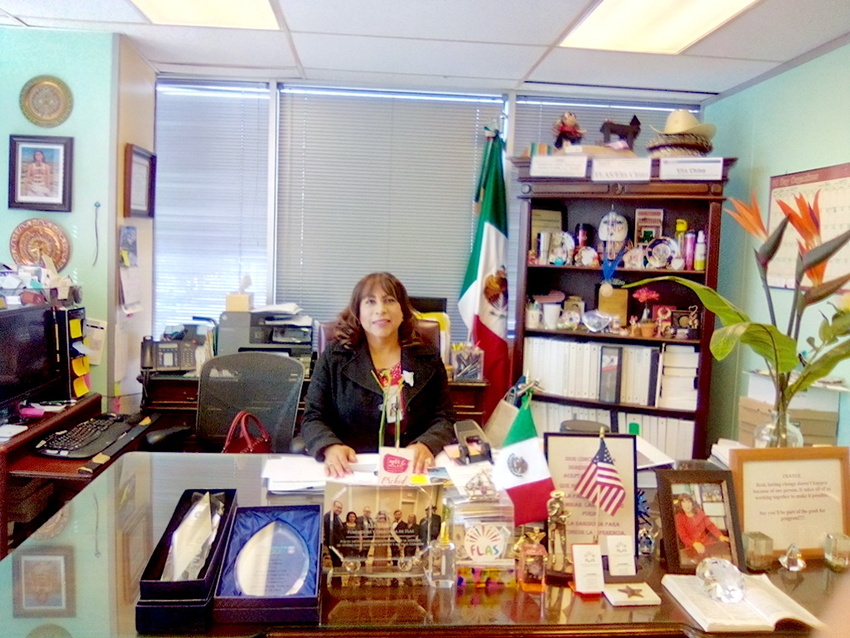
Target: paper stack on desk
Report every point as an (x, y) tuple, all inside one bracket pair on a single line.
[(9, 430), (295, 472)]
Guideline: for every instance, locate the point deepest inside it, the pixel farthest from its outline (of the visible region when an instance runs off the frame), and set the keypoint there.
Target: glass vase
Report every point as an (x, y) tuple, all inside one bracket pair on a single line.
[(778, 431)]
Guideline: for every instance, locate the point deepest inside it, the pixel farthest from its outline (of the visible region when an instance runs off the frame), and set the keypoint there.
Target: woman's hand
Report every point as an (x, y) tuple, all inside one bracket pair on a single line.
[(422, 457), (699, 547), (338, 459)]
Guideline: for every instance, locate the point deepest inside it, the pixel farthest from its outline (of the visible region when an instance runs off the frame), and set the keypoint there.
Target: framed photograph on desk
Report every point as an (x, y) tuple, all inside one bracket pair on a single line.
[(44, 582), (699, 518)]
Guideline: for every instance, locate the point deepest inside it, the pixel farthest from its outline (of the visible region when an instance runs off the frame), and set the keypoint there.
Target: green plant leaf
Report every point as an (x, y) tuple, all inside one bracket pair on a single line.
[(819, 368), (779, 350), (841, 324), (726, 311), (768, 249)]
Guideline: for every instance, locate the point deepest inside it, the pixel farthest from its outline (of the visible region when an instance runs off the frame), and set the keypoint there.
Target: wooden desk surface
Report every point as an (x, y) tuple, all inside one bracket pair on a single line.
[(111, 527)]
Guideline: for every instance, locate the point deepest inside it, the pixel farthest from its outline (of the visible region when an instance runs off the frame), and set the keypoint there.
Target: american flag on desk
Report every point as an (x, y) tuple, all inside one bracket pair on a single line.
[(600, 483)]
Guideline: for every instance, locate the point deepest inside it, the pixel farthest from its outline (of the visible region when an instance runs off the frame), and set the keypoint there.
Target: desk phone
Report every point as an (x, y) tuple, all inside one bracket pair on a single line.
[(168, 356)]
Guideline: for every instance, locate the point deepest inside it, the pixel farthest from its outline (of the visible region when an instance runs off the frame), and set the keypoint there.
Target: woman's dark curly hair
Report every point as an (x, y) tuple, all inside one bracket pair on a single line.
[(684, 496), (348, 330)]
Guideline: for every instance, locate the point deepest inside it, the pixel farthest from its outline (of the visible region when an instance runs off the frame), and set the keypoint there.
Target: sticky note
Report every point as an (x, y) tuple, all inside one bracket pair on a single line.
[(80, 366), (81, 386), (75, 326)]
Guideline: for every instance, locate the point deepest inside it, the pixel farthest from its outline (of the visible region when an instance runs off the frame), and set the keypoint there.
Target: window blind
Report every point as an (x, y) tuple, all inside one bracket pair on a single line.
[(211, 227), (372, 181)]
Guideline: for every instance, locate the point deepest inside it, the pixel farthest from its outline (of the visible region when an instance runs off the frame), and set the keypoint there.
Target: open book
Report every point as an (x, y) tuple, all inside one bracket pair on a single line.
[(764, 605)]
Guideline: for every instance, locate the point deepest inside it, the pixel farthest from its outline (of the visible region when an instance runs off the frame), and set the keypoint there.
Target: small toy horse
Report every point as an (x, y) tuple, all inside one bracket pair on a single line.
[(627, 132)]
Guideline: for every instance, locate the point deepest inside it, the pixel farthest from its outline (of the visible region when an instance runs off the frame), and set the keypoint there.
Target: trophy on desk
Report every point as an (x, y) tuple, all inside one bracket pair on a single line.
[(557, 527)]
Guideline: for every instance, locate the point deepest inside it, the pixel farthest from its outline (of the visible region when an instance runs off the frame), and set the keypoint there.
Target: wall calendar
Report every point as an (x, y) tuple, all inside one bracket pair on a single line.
[(833, 184)]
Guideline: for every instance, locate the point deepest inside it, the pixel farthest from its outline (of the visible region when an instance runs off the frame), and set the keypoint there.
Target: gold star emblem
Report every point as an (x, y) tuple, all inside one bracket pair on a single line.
[(631, 592)]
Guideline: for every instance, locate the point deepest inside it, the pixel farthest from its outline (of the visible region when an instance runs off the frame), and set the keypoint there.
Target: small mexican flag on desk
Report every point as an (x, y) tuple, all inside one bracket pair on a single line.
[(521, 469)]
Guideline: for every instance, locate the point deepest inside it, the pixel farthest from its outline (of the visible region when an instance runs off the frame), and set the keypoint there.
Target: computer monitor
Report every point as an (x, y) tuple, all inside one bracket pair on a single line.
[(28, 362)]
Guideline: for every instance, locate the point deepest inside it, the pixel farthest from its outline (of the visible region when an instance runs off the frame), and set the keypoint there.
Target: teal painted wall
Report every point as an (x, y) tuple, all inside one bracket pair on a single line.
[(84, 61), (793, 122)]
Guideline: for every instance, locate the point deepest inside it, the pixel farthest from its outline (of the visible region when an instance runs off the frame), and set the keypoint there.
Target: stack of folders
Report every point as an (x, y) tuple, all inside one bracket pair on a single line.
[(594, 371), (678, 383)]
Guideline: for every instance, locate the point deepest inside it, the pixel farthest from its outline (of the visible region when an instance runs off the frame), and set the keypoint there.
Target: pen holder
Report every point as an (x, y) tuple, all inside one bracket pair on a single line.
[(468, 362)]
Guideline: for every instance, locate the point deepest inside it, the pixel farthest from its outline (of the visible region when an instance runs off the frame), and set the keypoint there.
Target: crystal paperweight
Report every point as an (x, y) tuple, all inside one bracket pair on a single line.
[(792, 560), (837, 552), (721, 580), (595, 321), (758, 551)]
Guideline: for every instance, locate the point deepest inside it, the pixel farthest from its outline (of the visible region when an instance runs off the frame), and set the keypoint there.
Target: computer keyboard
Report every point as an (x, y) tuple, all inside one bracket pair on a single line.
[(85, 439)]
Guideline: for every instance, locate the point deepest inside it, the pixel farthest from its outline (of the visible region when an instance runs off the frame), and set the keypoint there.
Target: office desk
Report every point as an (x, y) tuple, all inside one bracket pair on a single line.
[(18, 465), (109, 530)]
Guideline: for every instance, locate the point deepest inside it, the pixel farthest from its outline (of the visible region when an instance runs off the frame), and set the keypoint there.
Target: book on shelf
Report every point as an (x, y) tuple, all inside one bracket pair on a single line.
[(763, 608)]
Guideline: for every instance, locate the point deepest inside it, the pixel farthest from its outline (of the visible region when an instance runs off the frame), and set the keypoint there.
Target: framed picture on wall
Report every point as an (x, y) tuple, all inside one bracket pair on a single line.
[(44, 582), (139, 181), (40, 172)]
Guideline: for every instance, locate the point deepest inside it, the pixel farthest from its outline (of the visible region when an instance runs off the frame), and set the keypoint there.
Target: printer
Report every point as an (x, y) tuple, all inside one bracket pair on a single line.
[(267, 330)]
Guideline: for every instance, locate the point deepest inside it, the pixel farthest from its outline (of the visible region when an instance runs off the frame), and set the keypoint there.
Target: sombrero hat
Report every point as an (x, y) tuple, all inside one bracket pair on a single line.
[(682, 121)]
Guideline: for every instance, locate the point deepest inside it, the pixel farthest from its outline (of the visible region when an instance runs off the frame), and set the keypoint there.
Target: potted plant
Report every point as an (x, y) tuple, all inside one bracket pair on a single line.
[(646, 325), (790, 371)]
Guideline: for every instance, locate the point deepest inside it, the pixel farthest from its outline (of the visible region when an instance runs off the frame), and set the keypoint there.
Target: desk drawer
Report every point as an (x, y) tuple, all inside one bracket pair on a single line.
[(172, 393)]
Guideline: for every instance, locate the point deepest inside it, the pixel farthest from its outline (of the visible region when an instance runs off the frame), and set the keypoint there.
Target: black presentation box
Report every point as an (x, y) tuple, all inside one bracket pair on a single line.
[(167, 606), (290, 567)]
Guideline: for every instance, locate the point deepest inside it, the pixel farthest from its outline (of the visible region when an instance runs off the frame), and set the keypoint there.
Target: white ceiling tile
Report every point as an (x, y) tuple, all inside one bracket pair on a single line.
[(210, 47), (91, 10), (503, 21), (417, 57), (404, 81), (778, 30), (647, 71)]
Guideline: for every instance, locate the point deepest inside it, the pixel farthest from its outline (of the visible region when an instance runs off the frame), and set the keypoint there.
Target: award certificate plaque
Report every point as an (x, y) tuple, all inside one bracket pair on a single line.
[(274, 562)]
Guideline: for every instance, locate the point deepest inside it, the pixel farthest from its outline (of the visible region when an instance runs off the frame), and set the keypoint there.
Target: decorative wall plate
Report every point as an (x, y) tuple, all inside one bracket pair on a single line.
[(46, 101), (661, 251), (36, 237)]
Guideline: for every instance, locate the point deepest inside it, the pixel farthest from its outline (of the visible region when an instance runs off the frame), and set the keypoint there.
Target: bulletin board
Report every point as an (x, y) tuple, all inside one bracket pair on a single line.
[(833, 183)]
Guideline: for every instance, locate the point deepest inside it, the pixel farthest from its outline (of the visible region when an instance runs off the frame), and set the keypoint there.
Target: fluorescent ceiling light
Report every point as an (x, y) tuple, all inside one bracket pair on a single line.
[(652, 26), (244, 14)]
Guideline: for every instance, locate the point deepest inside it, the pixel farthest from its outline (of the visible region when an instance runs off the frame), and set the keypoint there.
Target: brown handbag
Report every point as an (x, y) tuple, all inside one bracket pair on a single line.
[(241, 440)]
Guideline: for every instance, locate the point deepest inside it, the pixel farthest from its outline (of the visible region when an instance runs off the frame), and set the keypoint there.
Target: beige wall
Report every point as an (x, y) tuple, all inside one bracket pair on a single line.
[(136, 101)]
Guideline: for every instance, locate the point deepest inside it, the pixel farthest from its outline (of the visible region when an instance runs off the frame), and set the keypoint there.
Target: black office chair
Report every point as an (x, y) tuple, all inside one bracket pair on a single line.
[(267, 384)]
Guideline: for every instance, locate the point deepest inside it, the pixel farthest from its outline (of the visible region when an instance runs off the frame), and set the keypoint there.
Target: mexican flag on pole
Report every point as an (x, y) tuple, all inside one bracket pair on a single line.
[(483, 300), (521, 469)]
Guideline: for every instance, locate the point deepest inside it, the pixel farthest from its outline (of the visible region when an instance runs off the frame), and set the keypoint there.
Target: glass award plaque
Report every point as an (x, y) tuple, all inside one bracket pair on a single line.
[(274, 562)]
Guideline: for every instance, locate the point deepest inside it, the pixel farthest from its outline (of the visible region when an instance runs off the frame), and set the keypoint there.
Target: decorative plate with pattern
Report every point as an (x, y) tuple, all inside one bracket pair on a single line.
[(46, 101), (36, 237)]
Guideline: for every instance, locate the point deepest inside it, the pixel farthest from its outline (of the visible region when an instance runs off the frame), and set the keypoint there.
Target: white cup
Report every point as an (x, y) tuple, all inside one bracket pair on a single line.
[(532, 318), (551, 314)]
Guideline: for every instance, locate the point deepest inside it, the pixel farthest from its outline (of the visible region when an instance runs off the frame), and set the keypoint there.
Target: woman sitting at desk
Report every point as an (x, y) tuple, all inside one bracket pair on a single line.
[(376, 351)]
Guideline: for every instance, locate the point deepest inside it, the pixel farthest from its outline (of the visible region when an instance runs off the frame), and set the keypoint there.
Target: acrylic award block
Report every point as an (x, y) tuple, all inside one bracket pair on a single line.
[(184, 603), (484, 534), (271, 571)]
